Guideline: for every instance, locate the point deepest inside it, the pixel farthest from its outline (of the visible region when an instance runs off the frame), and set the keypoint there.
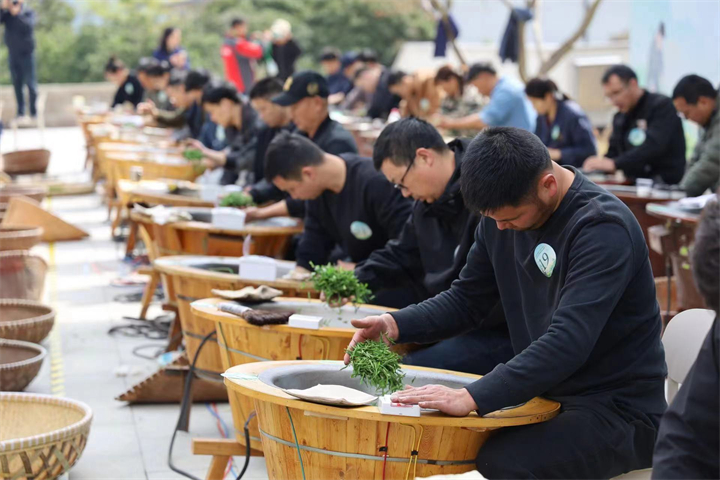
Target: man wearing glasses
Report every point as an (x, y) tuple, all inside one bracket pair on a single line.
[(434, 243), (351, 209), (647, 138)]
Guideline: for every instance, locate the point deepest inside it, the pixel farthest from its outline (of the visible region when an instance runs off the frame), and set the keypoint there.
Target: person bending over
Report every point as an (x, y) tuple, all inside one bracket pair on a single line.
[(349, 204), (129, 89), (569, 264)]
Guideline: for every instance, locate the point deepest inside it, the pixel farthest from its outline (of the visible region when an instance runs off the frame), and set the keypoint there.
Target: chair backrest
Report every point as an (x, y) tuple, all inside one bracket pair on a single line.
[(682, 340)]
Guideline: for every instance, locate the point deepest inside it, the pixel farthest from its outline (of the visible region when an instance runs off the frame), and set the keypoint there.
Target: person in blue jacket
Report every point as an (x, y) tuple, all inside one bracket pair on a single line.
[(170, 49), (561, 124)]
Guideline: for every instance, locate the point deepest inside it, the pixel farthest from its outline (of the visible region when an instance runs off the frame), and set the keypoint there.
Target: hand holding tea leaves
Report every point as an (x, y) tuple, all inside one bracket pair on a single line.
[(339, 286), (377, 365)]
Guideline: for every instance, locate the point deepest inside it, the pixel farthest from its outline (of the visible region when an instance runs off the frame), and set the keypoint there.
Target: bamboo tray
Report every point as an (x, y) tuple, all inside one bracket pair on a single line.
[(42, 436), (20, 363), (36, 192), (25, 320), (22, 275), (19, 238), (26, 161)]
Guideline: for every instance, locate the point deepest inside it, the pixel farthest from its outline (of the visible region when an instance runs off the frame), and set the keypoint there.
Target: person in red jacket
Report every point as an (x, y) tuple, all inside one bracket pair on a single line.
[(239, 54)]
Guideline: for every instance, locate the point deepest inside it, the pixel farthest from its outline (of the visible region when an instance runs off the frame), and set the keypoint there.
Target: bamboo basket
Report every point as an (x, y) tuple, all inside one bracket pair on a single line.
[(20, 363), (26, 161), (36, 192), (19, 238), (25, 320), (42, 436), (22, 275), (315, 442), (240, 342)]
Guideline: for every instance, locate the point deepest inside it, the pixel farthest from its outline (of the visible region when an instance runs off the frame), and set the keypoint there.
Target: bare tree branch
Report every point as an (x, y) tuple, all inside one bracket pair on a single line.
[(537, 29), (448, 28), (567, 46)]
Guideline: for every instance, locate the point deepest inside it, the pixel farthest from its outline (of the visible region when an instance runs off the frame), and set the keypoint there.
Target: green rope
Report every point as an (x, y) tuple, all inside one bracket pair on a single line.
[(297, 445)]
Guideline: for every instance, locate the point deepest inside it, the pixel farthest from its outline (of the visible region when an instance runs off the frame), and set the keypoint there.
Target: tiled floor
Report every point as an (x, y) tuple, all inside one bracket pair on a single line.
[(126, 442)]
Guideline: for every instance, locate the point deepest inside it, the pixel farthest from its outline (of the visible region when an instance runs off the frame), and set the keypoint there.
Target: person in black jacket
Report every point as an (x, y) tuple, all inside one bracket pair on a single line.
[(195, 118), (561, 124), (647, 139), (349, 204), (374, 81), (306, 94), (129, 88), (226, 109), (434, 243), (19, 21), (689, 438), (569, 263)]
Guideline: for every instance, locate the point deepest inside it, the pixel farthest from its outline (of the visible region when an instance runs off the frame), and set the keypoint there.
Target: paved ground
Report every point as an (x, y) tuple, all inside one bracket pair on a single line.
[(126, 442)]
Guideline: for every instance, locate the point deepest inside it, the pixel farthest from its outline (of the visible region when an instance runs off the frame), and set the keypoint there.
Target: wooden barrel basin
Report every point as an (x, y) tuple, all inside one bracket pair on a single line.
[(307, 440), (193, 278), (270, 237), (240, 342)]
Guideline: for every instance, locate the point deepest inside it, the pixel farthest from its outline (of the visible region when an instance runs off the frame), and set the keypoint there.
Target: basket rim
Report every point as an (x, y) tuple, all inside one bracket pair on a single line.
[(37, 441), (22, 231), (41, 354), (13, 302)]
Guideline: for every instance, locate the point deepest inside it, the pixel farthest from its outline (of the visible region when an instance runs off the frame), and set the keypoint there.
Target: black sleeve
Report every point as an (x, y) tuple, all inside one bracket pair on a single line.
[(296, 208), (340, 145), (663, 129), (399, 259), (389, 206), (264, 192), (315, 244), (581, 143), (138, 92), (241, 157), (118, 99), (687, 445), (615, 141)]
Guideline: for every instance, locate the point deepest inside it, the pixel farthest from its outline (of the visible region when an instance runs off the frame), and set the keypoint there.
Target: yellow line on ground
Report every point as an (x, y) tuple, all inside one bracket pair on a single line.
[(57, 372)]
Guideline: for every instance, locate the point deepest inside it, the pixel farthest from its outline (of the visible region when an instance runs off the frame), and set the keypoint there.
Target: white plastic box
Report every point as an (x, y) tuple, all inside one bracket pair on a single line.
[(228, 218), (256, 267), (388, 407), (305, 321)]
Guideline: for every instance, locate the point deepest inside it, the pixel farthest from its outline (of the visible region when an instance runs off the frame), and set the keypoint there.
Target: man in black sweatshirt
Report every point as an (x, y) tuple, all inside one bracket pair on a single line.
[(19, 22), (434, 243), (569, 263), (647, 138), (349, 204)]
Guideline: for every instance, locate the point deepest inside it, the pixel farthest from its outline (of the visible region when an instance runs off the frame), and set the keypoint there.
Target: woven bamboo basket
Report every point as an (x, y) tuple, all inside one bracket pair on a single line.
[(36, 192), (22, 275), (20, 362), (25, 320), (26, 161), (42, 436), (19, 238), (3, 209)]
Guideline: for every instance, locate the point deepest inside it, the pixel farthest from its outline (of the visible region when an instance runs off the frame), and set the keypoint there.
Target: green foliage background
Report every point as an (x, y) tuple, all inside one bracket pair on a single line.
[(72, 46)]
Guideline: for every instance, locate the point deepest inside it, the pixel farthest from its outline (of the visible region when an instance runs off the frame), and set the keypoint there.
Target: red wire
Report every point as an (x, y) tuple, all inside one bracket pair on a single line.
[(387, 434)]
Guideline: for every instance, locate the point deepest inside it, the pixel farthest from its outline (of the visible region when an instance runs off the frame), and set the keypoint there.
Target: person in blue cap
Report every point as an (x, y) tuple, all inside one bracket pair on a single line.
[(333, 64), (561, 125)]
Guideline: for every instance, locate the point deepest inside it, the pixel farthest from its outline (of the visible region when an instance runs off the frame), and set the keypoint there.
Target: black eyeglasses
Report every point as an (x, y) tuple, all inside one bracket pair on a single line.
[(400, 185)]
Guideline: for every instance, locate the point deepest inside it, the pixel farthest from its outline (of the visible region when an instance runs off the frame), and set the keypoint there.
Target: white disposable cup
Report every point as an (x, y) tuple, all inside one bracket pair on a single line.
[(644, 187)]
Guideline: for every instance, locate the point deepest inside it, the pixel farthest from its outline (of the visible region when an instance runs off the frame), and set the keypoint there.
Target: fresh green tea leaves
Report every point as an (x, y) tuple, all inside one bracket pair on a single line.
[(377, 366), (337, 284), (193, 155), (237, 199)]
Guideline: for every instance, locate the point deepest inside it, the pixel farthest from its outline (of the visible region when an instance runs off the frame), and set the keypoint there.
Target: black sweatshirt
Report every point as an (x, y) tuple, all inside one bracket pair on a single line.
[(19, 31), (649, 142), (130, 91), (592, 328), (367, 213), (433, 245), (689, 437), (242, 146)]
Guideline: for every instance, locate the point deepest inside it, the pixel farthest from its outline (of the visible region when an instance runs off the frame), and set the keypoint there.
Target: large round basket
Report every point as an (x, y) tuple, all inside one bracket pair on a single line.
[(312, 441), (36, 192), (22, 275), (42, 436), (20, 362), (240, 342), (193, 278), (3, 209), (19, 238), (25, 320), (26, 161)]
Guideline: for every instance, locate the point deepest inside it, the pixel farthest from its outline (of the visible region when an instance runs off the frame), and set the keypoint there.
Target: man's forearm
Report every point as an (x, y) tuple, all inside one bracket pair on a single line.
[(278, 209), (471, 122)]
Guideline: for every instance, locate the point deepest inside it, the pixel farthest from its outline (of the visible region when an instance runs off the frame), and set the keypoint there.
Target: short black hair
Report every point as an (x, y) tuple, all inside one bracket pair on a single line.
[(114, 65), (288, 154), (623, 72), (692, 87), (706, 256), (158, 69), (196, 80), (146, 64), (214, 92), (395, 77), (237, 21), (329, 53), (399, 141), (268, 87), (539, 87), (368, 55), (177, 77), (500, 168), (478, 68), (445, 73)]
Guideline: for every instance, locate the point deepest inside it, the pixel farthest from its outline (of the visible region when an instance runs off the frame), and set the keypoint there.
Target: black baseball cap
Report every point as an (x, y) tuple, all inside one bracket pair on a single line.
[(302, 85)]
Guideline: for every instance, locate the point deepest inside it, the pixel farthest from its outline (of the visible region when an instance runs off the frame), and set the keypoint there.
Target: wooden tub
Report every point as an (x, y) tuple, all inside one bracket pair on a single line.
[(312, 441), (240, 342)]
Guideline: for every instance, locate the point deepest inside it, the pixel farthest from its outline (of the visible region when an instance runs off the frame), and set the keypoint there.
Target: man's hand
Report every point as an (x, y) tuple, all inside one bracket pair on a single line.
[(456, 402), (371, 328), (147, 108), (335, 303), (252, 213), (555, 154), (5, 4), (349, 266), (602, 164)]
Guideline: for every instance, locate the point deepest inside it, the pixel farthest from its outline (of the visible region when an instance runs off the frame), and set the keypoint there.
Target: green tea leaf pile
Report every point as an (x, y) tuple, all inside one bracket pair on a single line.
[(337, 284), (193, 155), (237, 199), (377, 366)]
